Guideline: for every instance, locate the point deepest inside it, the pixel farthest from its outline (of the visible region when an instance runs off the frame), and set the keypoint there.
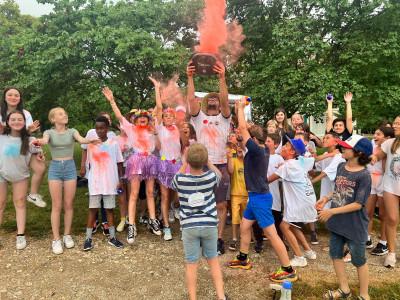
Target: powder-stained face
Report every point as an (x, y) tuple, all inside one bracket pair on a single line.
[(16, 121), (288, 151), (142, 121), (12, 97), (168, 118)]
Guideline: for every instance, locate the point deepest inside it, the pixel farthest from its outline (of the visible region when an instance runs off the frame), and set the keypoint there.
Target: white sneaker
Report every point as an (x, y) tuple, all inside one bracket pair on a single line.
[(298, 261), (171, 216), (310, 254), (390, 260), (167, 234), (176, 213), (36, 199), (57, 247), (21, 242), (68, 241)]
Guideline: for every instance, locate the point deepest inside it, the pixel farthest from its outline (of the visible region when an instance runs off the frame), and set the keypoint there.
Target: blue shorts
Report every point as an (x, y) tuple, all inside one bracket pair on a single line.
[(62, 170), (259, 208), (357, 249), (197, 239)]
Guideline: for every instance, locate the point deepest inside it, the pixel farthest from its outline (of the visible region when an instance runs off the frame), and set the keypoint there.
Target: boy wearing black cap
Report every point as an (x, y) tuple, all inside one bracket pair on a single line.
[(347, 218), (299, 199)]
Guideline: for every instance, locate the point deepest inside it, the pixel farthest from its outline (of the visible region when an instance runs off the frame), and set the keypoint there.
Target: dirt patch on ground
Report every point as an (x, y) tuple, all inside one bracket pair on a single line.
[(151, 269)]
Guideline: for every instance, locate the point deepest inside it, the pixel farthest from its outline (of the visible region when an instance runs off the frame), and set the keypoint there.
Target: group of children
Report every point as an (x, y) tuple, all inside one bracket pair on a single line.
[(272, 171)]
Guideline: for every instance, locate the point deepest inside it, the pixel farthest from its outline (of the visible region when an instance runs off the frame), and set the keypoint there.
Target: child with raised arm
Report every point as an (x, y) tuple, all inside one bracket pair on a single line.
[(260, 201), (299, 199), (104, 177), (15, 155), (62, 174), (198, 214), (170, 156), (347, 218), (342, 127), (141, 165)]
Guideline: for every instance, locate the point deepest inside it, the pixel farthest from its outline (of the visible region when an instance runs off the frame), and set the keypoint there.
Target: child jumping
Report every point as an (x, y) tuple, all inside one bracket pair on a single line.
[(260, 201), (104, 177)]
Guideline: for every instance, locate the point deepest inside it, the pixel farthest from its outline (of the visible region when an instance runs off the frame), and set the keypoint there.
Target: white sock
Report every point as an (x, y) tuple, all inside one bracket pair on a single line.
[(384, 243), (369, 237)]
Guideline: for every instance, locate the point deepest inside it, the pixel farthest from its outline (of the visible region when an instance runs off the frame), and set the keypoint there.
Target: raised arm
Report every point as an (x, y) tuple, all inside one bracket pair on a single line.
[(82, 140), (349, 113), (194, 106), (329, 115), (110, 97), (157, 87), (43, 141), (219, 68), (240, 105)]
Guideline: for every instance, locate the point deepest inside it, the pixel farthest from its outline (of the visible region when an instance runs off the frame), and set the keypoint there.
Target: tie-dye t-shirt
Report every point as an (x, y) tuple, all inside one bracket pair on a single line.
[(14, 166), (212, 132), (103, 170)]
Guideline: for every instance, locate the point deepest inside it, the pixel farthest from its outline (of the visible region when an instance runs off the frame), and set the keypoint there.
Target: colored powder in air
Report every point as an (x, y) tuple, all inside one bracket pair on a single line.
[(233, 48), (212, 29), (171, 94)]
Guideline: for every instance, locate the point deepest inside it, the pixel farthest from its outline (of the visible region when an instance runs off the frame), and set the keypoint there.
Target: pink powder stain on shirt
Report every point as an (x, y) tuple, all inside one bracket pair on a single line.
[(99, 162), (142, 140), (169, 141), (211, 134)]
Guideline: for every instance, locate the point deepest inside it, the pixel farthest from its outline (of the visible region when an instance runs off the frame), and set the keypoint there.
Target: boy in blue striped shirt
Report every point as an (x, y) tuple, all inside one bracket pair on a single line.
[(198, 214)]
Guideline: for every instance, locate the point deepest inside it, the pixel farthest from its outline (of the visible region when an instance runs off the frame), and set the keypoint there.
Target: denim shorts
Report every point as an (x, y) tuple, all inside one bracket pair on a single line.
[(197, 239), (357, 249), (259, 208), (62, 170)]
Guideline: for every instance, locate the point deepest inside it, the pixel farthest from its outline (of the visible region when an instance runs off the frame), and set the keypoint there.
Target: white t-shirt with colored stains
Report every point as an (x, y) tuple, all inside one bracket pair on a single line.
[(391, 178), (103, 176), (139, 138), (170, 142), (212, 132)]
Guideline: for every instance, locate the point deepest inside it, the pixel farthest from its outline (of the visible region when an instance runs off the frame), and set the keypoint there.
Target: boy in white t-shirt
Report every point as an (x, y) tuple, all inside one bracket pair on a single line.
[(105, 170), (275, 161), (299, 198)]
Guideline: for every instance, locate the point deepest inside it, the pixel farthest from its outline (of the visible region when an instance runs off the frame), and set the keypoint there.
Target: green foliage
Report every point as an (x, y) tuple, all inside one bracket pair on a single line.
[(296, 52)]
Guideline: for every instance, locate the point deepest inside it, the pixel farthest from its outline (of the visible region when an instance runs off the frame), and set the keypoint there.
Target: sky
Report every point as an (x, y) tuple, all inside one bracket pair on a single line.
[(31, 7)]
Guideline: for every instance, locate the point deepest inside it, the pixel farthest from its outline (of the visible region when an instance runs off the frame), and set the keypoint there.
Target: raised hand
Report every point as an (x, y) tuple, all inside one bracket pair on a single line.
[(155, 82), (35, 126), (219, 68), (348, 97), (108, 94), (190, 70), (329, 97)]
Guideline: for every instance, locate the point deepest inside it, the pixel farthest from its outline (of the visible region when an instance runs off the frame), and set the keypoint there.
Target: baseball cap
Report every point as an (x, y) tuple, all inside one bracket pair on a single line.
[(298, 146), (358, 143)]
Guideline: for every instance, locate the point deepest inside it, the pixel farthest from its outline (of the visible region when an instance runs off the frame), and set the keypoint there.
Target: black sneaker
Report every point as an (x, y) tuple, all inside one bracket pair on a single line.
[(88, 245), (220, 247), (314, 238), (380, 250), (369, 244), (259, 246), (233, 245), (95, 226), (154, 226), (131, 234), (114, 242), (106, 229)]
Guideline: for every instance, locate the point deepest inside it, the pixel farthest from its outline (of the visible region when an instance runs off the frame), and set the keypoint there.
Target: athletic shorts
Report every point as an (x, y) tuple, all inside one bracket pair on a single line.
[(238, 206), (259, 208), (108, 200)]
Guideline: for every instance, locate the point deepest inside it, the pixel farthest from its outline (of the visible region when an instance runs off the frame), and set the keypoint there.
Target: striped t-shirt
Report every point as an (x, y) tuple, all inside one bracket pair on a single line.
[(198, 216)]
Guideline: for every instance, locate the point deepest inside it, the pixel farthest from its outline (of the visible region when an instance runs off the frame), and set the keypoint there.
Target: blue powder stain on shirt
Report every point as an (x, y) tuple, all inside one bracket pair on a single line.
[(12, 150), (103, 147)]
